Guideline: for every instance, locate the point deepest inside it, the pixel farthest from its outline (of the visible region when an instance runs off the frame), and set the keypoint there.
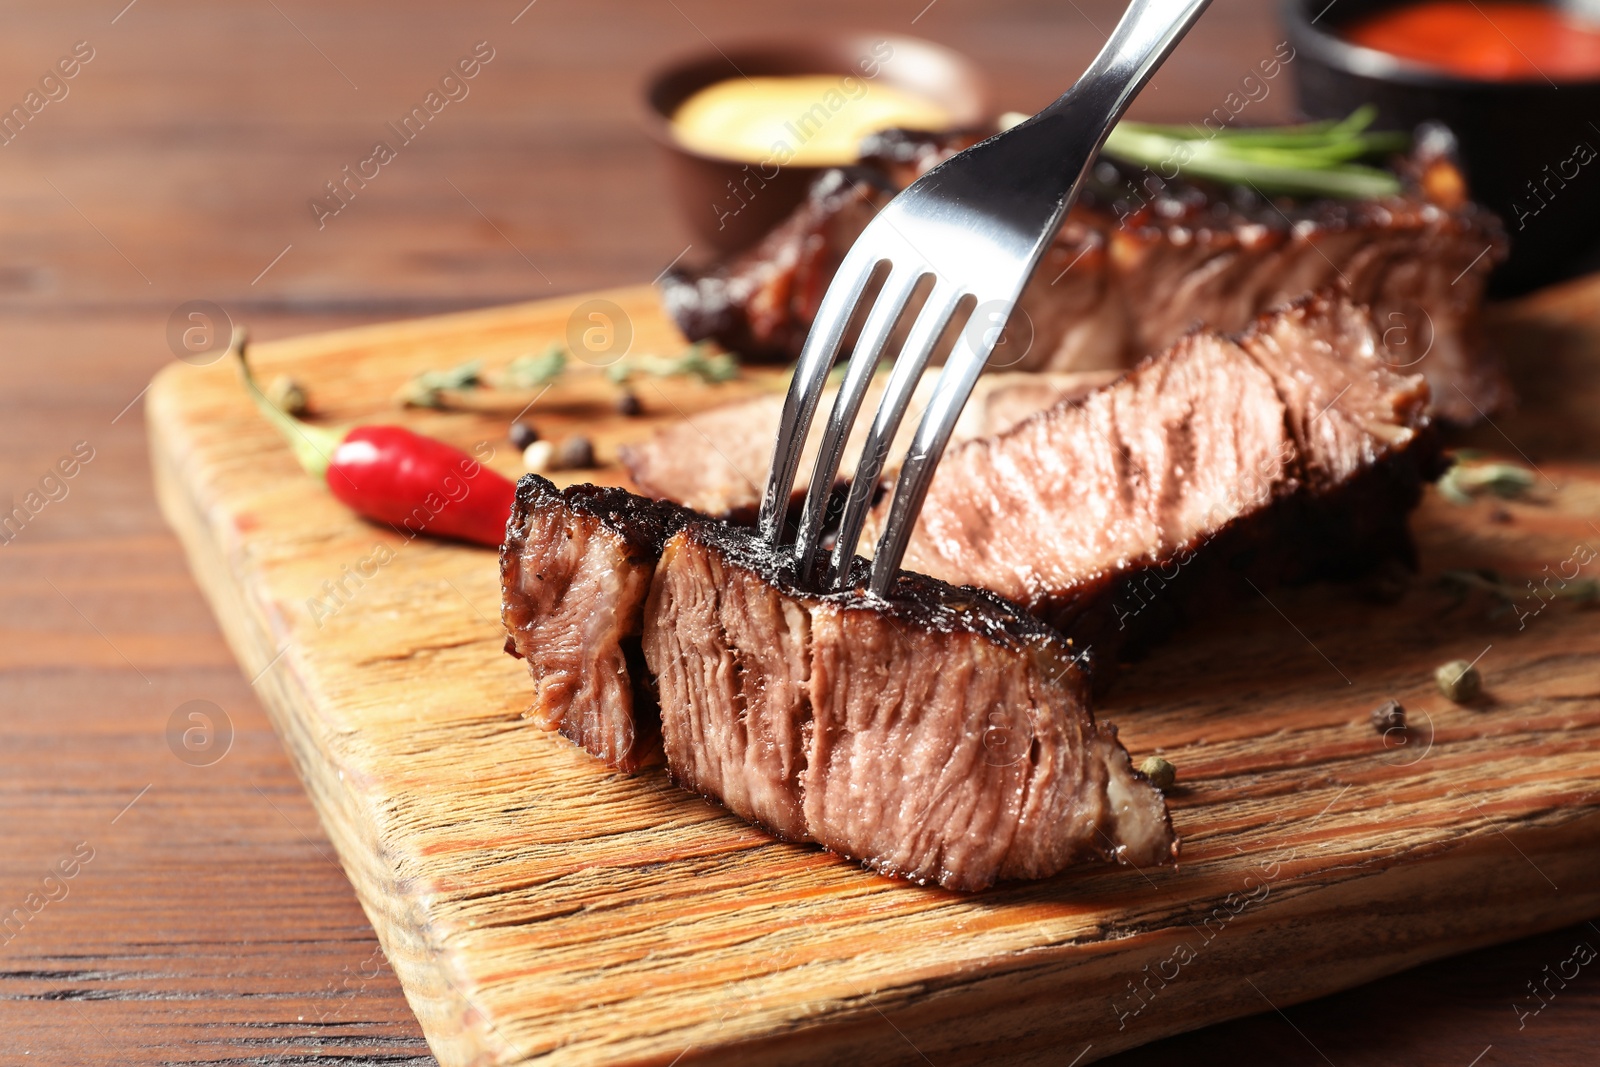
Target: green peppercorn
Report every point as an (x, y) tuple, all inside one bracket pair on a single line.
[(1459, 680), (1161, 773)]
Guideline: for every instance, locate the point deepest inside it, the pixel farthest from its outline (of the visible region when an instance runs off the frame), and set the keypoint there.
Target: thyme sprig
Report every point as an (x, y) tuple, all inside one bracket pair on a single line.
[(427, 389), (536, 370), (696, 361)]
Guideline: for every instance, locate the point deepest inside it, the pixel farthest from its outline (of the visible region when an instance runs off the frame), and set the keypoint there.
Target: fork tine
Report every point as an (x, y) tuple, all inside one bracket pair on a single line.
[(950, 394), (908, 368), (988, 212), (810, 378), (885, 313)]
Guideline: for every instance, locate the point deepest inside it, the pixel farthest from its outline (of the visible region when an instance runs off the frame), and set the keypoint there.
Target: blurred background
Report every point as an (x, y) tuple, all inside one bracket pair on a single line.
[(212, 923)]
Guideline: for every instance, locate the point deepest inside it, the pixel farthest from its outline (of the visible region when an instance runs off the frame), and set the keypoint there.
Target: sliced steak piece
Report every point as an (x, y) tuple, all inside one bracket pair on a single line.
[(574, 573), (717, 462), (1421, 261), (763, 309), (1140, 261), (1289, 453), (818, 717)]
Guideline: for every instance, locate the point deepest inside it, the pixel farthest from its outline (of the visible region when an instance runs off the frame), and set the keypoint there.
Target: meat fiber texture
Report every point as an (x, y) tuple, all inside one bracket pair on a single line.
[(717, 463), (943, 734), (818, 716), (1288, 453), (1141, 261), (940, 735), (575, 570)]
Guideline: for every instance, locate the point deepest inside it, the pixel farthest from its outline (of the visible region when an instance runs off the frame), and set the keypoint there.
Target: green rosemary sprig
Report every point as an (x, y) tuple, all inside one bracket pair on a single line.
[(1311, 159)]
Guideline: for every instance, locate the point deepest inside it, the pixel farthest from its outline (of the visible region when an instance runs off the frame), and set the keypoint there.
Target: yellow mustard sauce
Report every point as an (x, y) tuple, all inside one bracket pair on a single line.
[(805, 119)]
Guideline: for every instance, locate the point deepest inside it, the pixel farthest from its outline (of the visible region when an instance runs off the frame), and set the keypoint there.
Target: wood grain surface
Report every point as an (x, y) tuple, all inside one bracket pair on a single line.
[(214, 924), (540, 907)]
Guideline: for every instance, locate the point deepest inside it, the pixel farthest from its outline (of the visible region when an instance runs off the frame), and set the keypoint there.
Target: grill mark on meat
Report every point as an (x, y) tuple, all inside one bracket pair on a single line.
[(1122, 281), (1122, 465), (765, 311)]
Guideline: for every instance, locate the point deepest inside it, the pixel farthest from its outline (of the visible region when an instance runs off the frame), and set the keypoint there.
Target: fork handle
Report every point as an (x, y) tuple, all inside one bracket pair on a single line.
[(1146, 33), (1026, 177), (1032, 174), (1073, 127)]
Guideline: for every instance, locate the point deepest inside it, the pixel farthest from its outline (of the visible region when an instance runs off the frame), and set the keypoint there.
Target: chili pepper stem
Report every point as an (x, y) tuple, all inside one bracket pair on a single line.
[(312, 446)]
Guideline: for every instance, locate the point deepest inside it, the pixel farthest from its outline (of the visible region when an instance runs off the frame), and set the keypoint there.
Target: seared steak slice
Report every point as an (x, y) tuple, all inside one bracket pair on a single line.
[(816, 716), (574, 573), (764, 308), (822, 718), (1289, 453), (1419, 261), (903, 156), (1141, 261), (717, 462)]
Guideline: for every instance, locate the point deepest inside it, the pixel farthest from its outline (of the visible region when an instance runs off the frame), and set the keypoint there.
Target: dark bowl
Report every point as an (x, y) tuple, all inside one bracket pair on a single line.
[(730, 204), (1521, 141)]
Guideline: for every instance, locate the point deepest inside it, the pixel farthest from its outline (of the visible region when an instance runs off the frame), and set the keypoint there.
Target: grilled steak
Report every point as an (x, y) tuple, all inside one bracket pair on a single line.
[(762, 304), (1289, 453), (717, 463), (818, 716), (574, 572), (1140, 261)]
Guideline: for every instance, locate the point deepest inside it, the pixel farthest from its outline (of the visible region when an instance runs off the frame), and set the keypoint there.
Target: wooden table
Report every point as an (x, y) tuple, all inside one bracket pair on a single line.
[(205, 919)]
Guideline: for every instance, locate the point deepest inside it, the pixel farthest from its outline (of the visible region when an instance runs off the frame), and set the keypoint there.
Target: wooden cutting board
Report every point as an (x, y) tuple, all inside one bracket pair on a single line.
[(538, 907)]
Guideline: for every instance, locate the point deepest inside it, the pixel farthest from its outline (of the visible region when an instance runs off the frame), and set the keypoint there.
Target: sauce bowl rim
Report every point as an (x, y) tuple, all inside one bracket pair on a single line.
[(1335, 51)]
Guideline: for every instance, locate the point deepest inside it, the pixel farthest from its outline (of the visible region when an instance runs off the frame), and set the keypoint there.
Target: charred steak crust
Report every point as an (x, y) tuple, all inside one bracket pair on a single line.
[(764, 309), (1193, 253), (940, 735), (1140, 260), (574, 570), (917, 600), (643, 525)]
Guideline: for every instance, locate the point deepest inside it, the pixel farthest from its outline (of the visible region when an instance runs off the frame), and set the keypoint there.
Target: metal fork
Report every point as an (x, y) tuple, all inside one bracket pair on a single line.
[(978, 223)]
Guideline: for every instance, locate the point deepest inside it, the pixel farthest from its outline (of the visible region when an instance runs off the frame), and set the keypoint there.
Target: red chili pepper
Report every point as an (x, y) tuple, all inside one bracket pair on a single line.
[(394, 476)]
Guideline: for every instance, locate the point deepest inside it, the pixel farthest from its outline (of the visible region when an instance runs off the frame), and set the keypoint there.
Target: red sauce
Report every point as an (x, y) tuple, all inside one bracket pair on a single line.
[(1491, 39)]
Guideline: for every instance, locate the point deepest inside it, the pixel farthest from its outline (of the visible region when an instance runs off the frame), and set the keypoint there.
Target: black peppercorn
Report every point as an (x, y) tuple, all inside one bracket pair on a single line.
[(1389, 715), (575, 453), (522, 435)]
